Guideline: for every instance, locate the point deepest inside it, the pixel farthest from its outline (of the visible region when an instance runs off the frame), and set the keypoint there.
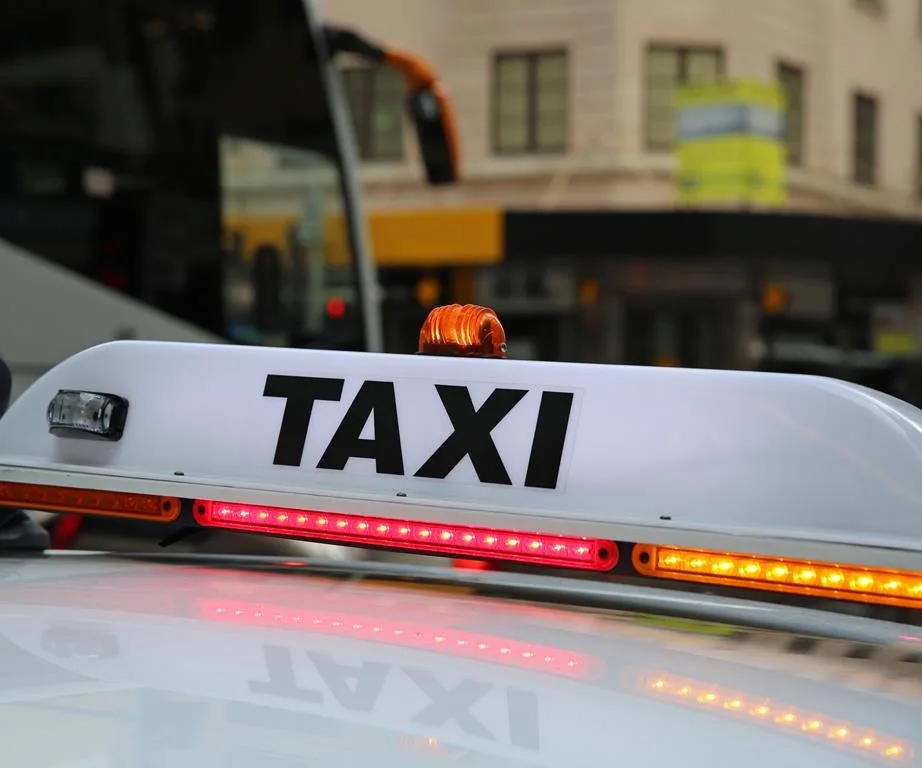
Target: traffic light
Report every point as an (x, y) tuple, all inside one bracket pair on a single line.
[(342, 327), (336, 308), (774, 299)]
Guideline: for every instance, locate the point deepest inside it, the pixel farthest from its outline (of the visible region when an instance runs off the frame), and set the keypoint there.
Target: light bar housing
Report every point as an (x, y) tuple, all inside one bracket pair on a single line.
[(424, 538)]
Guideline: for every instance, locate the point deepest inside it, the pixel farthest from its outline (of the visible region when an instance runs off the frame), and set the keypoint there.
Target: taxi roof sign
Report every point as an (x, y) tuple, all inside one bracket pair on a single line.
[(780, 465)]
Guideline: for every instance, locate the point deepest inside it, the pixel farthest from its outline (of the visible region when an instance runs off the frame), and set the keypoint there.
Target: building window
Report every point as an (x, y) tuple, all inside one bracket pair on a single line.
[(668, 69), (376, 98), (919, 158), (875, 7), (530, 99), (791, 80), (864, 152)]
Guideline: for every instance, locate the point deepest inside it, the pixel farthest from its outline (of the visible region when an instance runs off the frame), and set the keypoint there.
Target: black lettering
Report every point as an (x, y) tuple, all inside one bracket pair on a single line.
[(523, 719), (301, 392), (281, 682), (374, 397), (472, 434), (368, 681), (445, 706), (547, 445)]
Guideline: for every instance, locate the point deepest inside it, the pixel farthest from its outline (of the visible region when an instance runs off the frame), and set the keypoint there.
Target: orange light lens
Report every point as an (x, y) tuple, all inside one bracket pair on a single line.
[(52, 498), (463, 330), (803, 577)]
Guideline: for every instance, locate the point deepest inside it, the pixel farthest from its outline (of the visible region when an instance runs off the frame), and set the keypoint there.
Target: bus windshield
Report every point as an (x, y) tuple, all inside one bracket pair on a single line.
[(135, 135)]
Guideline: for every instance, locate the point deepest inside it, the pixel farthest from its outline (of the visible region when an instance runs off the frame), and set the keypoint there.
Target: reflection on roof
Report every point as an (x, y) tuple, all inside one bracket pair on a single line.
[(774, 714), (408, 634)]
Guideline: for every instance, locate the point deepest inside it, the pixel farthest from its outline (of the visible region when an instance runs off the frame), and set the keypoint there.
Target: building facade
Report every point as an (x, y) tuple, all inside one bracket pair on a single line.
[(570, 107), (570, 104)]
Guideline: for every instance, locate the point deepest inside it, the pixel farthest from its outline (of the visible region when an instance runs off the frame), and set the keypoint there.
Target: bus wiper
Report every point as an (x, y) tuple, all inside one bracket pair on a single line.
[(187, 533), (341, 40), (20, 533)]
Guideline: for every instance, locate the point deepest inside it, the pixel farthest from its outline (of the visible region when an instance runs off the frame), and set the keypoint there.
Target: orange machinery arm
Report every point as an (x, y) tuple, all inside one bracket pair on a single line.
[(418, 75)]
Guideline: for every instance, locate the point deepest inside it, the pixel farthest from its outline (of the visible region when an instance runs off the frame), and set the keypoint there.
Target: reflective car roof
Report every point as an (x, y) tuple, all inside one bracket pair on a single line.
[(107, 661)]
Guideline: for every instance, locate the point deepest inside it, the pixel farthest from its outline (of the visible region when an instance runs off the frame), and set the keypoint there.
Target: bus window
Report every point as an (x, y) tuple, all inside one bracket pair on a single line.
[(125, 132), (285, 259)]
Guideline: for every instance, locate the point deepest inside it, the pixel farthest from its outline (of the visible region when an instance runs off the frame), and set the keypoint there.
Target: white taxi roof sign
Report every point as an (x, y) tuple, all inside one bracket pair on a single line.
[(783, 465)]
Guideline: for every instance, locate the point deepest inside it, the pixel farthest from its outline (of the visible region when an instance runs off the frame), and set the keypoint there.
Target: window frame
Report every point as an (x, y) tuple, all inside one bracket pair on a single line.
[(918, 179), (875, 8), (683, 50), (859, 96), (780, 66), (531, 146)]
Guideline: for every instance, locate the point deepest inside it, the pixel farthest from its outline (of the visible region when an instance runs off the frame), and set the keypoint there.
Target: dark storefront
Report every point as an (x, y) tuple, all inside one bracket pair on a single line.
[(789, 292)]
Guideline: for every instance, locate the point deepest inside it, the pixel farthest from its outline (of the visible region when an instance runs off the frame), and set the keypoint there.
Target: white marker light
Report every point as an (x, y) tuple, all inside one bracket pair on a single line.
[(87, 415)]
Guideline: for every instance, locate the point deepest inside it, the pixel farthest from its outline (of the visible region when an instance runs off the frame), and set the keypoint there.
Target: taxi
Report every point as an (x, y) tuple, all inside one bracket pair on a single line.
[(652, 566)]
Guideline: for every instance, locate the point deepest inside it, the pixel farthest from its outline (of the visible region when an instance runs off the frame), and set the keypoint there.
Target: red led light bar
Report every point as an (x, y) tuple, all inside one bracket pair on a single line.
[(435, 538), (406, 634)]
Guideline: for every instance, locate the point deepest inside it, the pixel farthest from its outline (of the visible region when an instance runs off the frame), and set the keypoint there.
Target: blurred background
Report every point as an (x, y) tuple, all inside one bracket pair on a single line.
[(702, 183)]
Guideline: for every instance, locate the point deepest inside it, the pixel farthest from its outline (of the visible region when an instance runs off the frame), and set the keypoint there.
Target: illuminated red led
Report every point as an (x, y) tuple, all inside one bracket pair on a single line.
[(435, 538), (336, 308), (470, 645)]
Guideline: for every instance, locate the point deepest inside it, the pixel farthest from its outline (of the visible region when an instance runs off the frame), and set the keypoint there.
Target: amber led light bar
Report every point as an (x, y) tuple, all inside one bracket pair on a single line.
[(87, 501), (803, 577)]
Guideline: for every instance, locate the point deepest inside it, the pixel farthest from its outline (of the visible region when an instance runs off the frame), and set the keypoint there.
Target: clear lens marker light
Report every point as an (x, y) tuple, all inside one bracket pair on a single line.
[(87, 414)]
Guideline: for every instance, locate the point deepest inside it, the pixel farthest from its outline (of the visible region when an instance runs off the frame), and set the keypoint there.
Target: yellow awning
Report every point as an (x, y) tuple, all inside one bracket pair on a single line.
[(427, 238)]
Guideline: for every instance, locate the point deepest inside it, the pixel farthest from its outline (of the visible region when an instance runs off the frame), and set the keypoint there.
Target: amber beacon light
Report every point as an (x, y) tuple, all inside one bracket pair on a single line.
[(463, 330)]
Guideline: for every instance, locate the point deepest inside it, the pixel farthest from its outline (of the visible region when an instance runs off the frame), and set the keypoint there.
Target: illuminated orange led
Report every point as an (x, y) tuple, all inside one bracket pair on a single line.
[(776, 715), (774, 298), (52, 498), (803, 577), (431, 746), (463, 330)]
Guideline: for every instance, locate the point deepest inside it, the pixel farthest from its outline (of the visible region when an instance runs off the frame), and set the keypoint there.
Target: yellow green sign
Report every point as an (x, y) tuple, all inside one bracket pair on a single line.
[(730, 144)]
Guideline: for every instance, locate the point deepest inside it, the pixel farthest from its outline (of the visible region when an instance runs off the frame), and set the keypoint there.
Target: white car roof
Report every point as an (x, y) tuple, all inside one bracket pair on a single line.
[(107, 661)]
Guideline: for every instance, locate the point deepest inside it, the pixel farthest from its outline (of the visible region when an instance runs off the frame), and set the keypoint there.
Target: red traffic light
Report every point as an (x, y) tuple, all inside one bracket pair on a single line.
[(336, 308)]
